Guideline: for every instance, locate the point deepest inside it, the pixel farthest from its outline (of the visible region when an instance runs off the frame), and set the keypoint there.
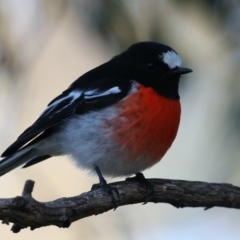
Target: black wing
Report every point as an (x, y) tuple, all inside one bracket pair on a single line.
[(57, 110), (70, 102)]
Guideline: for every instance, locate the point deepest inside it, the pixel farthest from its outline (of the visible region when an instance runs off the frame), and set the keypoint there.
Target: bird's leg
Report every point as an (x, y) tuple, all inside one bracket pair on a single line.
[(143, 181), (105, 187)]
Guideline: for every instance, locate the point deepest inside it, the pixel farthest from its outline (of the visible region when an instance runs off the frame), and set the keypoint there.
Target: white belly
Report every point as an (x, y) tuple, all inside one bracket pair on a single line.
[(89, 145)]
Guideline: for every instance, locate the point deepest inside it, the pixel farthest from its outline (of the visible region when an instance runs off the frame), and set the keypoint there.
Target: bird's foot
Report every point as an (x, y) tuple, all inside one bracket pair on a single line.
[(105, 187), (143, 181)]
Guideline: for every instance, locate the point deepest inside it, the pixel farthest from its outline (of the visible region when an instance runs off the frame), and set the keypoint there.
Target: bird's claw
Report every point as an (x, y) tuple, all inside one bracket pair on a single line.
[(106, 188)]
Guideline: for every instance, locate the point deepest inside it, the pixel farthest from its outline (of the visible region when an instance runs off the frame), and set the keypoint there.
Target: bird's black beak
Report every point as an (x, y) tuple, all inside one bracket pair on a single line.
[(179, 71)]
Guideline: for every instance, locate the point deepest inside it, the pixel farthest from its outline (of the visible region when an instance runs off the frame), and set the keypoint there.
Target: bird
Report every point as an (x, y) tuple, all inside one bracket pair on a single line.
[(117, 119)]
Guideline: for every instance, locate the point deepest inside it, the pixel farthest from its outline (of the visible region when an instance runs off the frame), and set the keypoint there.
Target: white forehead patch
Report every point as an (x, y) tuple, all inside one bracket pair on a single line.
[(172, 59)]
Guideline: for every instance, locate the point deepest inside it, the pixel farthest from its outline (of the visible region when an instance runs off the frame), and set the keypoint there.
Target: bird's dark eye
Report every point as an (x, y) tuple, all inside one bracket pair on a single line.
[(151, 67)]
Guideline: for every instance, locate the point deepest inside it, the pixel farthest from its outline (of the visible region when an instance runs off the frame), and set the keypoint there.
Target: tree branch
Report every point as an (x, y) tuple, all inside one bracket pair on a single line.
[(25, 211)]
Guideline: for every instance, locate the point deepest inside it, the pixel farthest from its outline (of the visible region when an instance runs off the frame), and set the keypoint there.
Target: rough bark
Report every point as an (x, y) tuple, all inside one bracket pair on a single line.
[(24, 211)]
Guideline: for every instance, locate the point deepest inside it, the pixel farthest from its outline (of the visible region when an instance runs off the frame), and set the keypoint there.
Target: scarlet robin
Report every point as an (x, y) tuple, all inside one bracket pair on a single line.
[(119, 118)]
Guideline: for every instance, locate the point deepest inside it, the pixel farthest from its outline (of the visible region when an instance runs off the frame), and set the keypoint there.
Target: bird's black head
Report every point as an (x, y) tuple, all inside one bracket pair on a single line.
[(153, 65)]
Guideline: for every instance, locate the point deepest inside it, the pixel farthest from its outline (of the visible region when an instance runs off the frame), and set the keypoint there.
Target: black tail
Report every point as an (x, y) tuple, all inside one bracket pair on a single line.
[(27, 156)]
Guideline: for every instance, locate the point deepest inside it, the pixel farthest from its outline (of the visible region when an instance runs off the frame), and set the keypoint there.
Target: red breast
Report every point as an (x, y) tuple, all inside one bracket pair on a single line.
[(147, 124)]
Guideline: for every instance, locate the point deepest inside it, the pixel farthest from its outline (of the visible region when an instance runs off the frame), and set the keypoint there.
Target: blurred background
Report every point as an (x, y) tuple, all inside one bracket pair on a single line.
[(45, 45)]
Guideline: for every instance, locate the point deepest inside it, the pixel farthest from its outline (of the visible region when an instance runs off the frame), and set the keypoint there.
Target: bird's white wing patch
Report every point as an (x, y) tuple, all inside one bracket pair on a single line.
[(73, 95), (172, 59), (93, 93)]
